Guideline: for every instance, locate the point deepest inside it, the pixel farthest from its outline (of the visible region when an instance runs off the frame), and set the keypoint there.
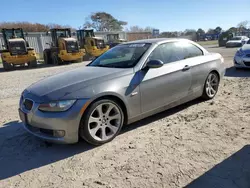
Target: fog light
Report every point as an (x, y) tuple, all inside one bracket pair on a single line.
[(59, 134)]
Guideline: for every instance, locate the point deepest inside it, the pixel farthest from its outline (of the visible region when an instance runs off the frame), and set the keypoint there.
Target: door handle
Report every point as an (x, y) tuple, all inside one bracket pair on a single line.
[(134, 93), (186, 68)]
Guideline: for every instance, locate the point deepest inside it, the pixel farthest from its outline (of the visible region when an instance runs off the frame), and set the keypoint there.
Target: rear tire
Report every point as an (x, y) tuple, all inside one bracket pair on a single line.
[(7, 66), (32, 64), (47, 57), (101, 122), (211, 86), (87, 57), (78, 60)]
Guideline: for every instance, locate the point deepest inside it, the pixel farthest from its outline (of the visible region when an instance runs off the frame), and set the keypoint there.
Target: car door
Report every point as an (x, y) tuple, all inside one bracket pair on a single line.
[(198, 65), (169, 83)]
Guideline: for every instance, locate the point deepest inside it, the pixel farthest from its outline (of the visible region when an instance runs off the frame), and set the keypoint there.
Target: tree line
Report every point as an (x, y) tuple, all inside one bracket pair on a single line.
[(31, 27), (103, 21)]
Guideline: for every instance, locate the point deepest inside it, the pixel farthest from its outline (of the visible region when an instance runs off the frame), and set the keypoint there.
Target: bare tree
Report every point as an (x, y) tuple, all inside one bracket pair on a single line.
[(242, 25), (31, 27), (137, 28)]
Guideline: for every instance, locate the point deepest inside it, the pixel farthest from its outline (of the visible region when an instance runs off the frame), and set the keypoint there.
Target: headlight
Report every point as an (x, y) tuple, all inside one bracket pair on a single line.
[(240, 53), (56, 106)]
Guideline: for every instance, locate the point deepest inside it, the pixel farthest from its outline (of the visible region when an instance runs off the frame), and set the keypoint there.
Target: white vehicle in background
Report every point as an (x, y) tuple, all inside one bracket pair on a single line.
[(237, 41), (242, 56)]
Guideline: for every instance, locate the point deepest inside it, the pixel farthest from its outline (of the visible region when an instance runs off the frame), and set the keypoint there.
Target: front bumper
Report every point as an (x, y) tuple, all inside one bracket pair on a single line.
[(65, 56), (242, 62), (20, 59), (98, 52), (45, 124)]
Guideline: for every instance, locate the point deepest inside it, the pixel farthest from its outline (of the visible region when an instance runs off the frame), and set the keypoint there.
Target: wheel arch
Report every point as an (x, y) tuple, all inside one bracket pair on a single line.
[(212, 70), (216, 72), (113, 97)]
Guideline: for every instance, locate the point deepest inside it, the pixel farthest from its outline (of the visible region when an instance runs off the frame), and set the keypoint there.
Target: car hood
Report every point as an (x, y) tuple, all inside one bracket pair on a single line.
[(234, 41), (62, 84), (246, 48)]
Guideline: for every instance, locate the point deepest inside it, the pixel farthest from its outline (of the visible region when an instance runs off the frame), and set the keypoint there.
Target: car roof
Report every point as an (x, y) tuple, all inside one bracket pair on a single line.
[(98, 38), (155, 40), (239, 36)]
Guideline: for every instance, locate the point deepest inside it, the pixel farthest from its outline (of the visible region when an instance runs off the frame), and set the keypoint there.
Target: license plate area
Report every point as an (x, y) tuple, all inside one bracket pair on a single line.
[(23, 116)]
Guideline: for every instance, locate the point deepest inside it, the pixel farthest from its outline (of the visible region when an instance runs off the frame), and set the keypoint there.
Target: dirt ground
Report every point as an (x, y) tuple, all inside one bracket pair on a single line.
[(197, 145)]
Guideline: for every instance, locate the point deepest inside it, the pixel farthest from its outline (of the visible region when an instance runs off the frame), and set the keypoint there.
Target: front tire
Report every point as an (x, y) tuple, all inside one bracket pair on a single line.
[(56, 60), (211, 86), (7, 66), (102, 121)]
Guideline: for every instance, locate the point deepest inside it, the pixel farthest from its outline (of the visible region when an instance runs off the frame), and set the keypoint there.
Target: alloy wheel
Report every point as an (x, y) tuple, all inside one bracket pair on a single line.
[(104, 121), (212, 85)]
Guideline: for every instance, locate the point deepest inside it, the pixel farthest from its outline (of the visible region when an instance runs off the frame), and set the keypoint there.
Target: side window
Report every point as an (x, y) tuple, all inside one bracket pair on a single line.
[(171, 52), (189, 50), (167, 53), (175, 51), (156, 54)]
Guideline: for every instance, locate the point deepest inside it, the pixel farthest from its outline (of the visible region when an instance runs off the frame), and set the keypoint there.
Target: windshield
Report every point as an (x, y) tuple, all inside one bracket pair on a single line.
[(248, 42), (113, 37), (236, 38), (62, 33), (72, 46), (100, 43), (17, 33), (122, 56)]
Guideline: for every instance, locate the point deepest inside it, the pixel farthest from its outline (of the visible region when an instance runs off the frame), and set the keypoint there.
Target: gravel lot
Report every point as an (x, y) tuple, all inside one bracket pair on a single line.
[(199, 144)]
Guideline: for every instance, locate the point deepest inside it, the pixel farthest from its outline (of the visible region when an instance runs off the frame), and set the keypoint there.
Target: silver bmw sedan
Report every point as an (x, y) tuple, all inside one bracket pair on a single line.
[(129, 82)]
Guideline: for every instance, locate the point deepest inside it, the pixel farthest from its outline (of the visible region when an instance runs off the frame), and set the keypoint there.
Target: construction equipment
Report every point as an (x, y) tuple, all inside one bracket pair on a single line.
[(16, 49), (63, 48), (114, 39), (224, 37), (93, 45)]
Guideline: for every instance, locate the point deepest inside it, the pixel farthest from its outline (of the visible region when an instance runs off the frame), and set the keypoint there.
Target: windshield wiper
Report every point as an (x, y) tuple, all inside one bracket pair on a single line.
[(111, 66)]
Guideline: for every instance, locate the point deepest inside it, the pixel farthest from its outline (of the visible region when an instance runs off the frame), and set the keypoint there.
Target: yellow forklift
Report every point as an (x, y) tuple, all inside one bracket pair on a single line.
[(16, 50), (114, 39), (63, 48), (94, 46)]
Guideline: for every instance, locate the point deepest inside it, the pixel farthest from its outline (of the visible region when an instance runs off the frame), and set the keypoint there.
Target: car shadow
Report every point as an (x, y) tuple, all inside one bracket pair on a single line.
[(233, 172), (213, 46), (240, 73), (21, 152), (160, 115)]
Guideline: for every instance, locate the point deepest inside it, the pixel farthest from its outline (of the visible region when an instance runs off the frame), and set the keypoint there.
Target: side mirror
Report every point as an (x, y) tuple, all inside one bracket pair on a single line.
[(154, 64)]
